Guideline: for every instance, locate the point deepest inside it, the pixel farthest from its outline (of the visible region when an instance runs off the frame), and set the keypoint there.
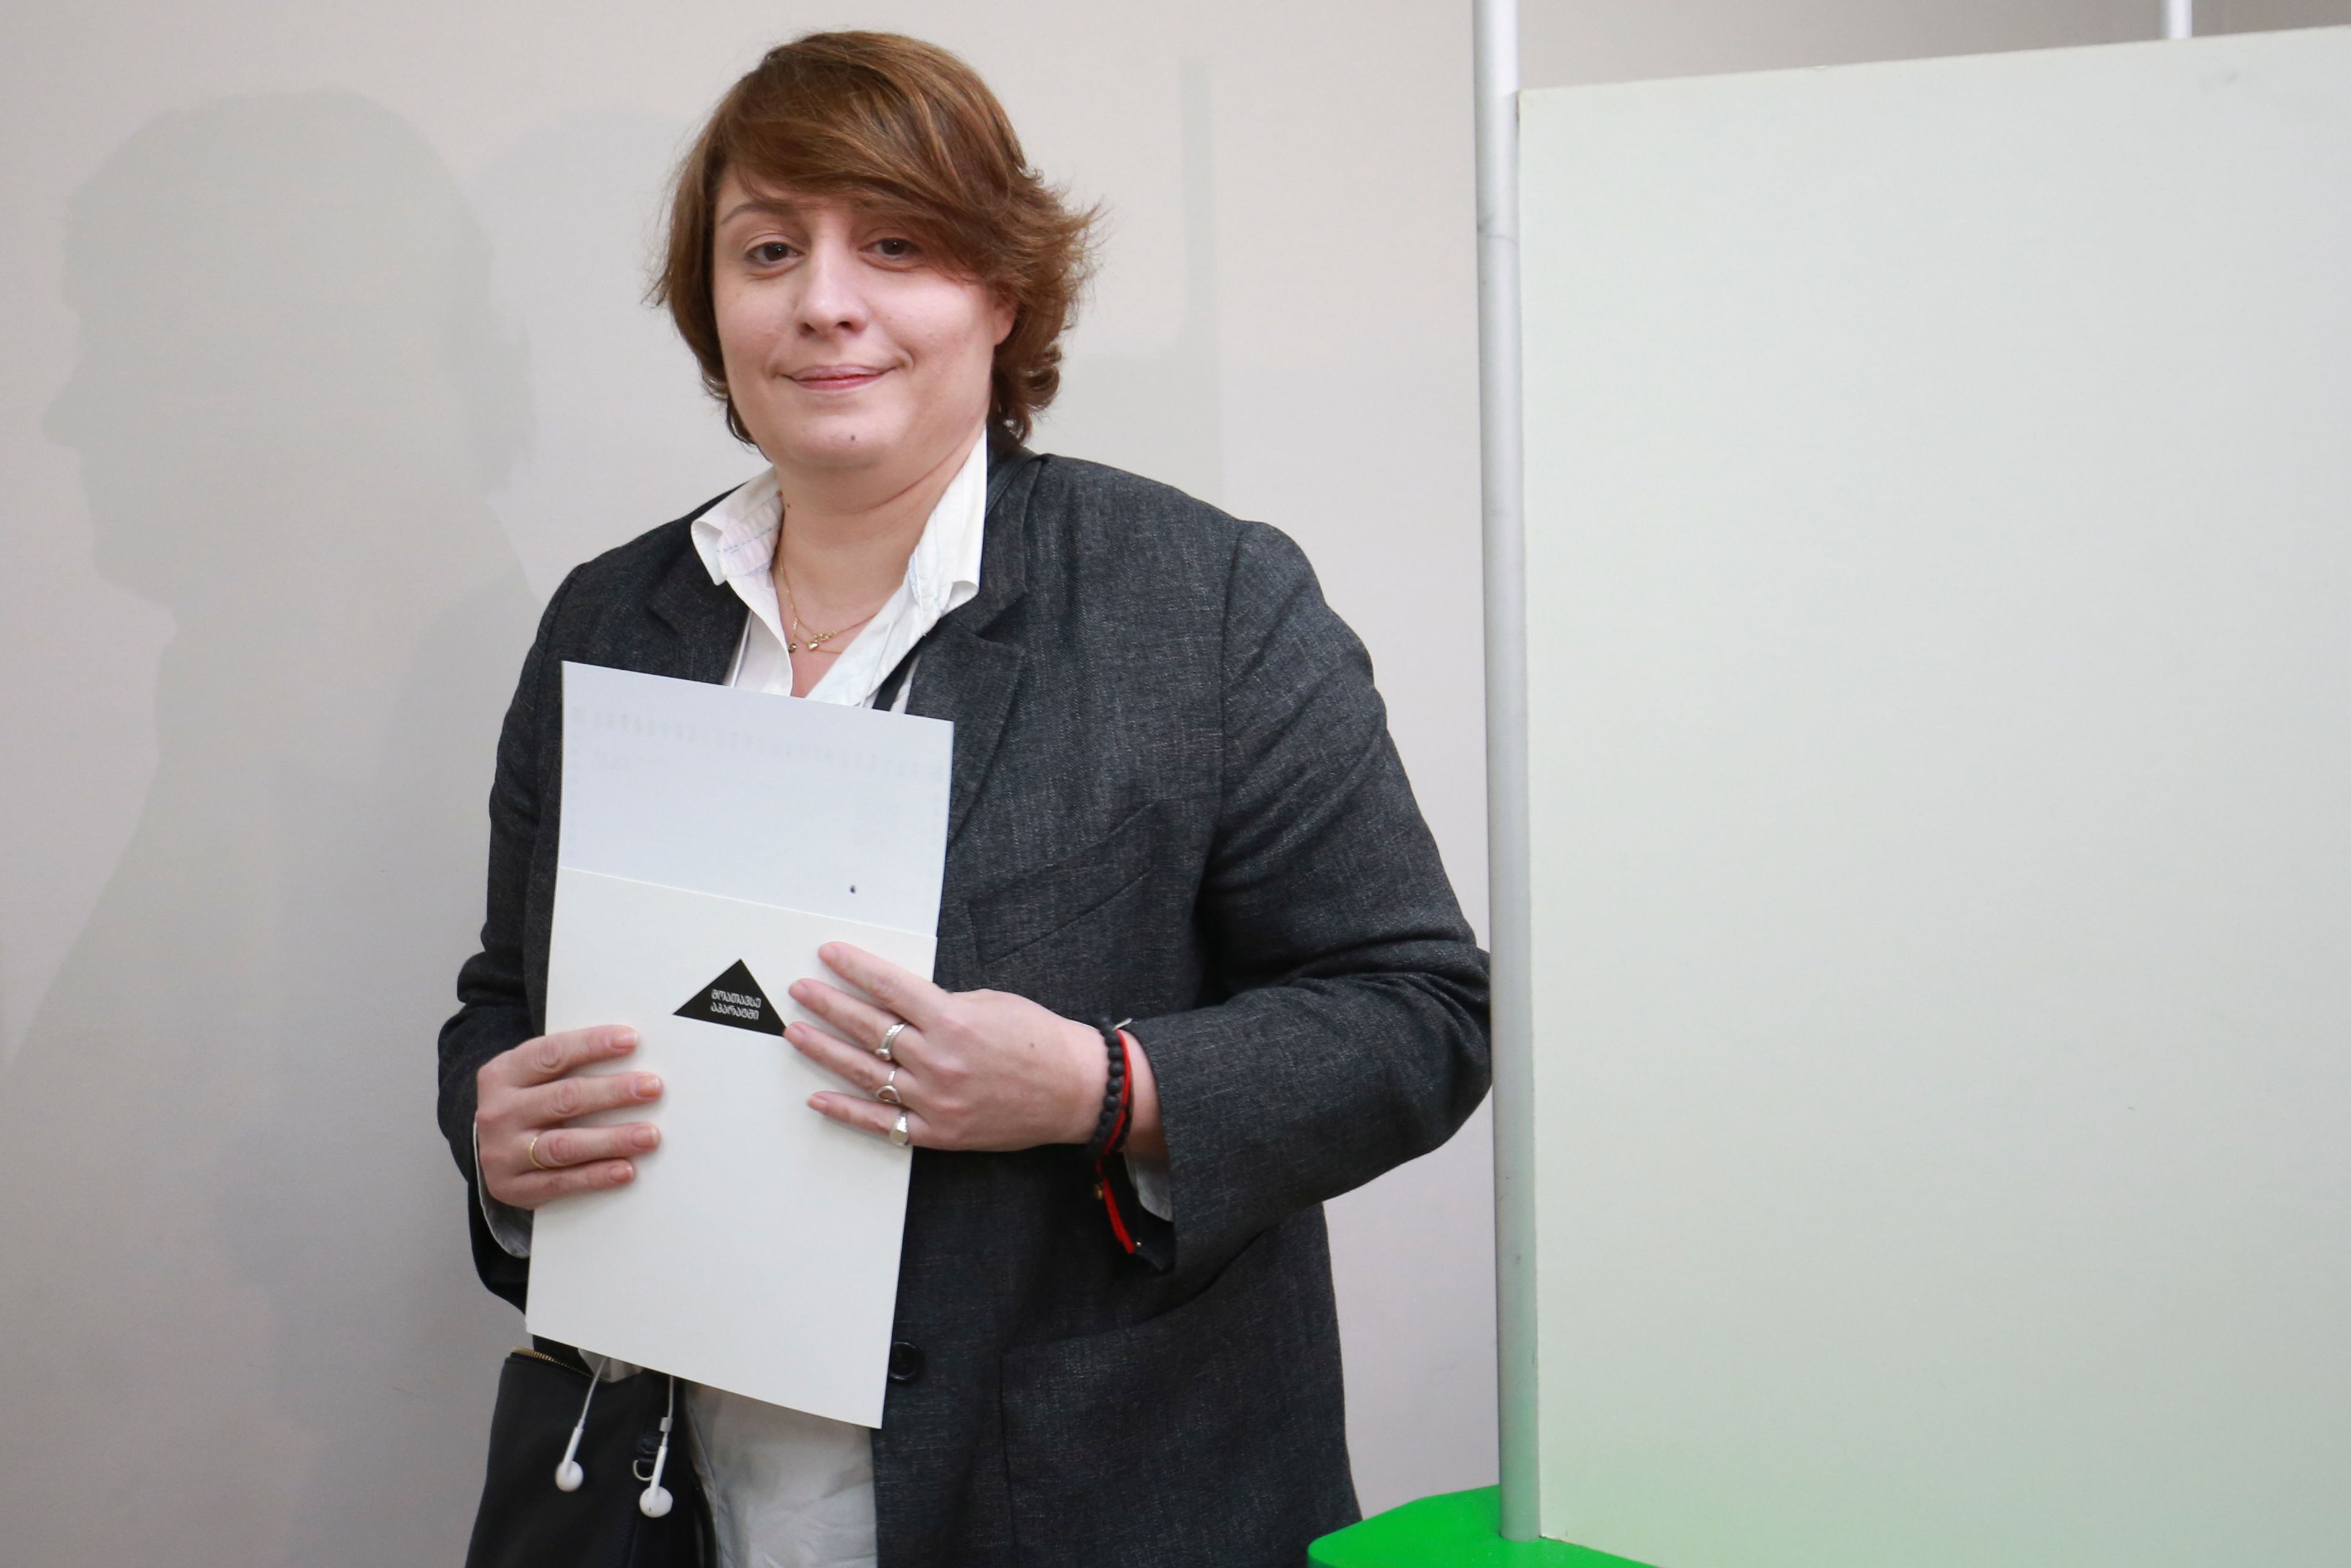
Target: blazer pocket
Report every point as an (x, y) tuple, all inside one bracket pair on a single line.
[(1212, 1433), (1034, 906)]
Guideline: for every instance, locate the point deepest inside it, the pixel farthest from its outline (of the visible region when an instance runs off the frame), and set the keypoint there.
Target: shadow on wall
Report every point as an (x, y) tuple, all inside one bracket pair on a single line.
[(240, 1327), (1161, 414)]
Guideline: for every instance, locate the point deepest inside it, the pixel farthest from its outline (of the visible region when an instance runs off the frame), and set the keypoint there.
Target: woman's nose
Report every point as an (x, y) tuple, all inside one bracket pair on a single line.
[(831, 299)]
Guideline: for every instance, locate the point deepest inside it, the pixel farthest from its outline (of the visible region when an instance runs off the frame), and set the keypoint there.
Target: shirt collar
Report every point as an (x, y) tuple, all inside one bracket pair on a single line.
[(737, 537)]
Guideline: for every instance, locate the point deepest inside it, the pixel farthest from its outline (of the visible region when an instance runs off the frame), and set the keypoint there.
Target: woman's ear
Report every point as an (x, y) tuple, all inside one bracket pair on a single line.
[(1007, 316)]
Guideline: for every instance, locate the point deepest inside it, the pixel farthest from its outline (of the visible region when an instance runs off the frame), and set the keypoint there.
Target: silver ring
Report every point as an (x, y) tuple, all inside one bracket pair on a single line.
[(888, 1093), (889, 1038), (898, 1132)]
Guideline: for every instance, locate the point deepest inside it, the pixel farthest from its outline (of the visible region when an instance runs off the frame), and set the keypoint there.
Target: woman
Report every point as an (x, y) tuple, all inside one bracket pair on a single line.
[(1173, 800)]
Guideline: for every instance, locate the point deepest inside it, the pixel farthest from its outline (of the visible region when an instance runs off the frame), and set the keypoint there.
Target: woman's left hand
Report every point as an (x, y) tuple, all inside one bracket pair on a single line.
[(975, 1069)]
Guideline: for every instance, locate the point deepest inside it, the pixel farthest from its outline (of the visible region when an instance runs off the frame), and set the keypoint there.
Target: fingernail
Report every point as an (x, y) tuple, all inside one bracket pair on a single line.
[(648, 1085), (645, 1137), (798, 990), (625, 1040), (627, 1172)]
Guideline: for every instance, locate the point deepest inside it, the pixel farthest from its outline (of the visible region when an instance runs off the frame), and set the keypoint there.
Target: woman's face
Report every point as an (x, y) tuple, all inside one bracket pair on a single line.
[(847, 347)]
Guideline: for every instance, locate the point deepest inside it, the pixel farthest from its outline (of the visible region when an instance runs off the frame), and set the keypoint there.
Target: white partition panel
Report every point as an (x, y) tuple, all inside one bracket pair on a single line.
[(1939, 545)]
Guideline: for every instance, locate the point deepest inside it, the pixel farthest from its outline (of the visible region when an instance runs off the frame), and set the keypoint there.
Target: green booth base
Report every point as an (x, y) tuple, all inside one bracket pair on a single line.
[(1459, 1528)]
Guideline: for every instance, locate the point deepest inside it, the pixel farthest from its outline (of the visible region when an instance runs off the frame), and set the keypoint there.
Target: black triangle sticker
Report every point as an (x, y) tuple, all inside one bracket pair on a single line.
[(736, 1000)]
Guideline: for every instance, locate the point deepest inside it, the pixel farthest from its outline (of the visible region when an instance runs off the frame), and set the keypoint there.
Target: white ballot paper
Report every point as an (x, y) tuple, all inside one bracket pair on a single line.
[(712, 839)]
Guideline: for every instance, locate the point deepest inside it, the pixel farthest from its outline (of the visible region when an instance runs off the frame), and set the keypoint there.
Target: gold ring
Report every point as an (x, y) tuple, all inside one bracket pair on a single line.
[(532, 1150)]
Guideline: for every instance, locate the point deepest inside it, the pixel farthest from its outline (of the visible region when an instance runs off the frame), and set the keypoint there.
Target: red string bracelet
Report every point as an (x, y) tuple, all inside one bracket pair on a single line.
[(1118, 1108)]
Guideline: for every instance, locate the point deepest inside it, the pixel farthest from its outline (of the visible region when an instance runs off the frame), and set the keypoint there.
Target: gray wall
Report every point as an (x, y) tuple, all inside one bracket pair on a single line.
[(326, 359), (323, 363)]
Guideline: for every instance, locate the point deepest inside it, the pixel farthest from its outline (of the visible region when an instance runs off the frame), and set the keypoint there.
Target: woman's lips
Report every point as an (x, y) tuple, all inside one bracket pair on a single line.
[(838, 377)]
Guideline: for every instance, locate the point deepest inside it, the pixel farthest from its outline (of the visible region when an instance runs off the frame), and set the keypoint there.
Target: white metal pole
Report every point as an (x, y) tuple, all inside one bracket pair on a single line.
[(1496, 32), (2179, 18)]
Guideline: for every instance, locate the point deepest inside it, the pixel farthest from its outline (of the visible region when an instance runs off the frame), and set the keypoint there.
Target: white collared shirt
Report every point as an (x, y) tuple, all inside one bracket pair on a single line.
[(736, 540), (789, 1490)]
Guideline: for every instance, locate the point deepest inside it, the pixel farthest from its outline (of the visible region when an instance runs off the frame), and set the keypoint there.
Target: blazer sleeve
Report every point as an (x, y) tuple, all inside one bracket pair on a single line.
[(493, 1007), (1353, 1035)]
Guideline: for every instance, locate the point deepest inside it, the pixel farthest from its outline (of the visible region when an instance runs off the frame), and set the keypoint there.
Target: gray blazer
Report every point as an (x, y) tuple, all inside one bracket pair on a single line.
[(1175, 799)]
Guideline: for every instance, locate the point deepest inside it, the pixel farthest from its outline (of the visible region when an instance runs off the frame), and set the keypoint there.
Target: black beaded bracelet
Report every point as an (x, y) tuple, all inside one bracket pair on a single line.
[(1110, 1127)]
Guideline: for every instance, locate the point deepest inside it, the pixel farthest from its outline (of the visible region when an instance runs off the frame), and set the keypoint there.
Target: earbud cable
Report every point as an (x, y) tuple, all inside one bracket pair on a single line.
[(568, 1475)]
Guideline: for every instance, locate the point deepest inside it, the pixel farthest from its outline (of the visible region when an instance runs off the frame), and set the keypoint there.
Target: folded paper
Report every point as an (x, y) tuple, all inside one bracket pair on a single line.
[(712, 841)]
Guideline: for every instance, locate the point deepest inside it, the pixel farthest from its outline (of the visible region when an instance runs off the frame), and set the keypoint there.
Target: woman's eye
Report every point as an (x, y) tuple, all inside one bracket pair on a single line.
[(896, 249), (772, 254)]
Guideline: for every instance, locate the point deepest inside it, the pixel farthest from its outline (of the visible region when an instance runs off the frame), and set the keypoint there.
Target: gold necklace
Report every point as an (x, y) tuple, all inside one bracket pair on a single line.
[(810, 643)]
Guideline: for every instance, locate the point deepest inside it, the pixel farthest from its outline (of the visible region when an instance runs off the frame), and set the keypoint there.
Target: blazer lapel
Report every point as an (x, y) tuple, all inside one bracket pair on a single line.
[(704, 620), (968, 680), (966, 676)]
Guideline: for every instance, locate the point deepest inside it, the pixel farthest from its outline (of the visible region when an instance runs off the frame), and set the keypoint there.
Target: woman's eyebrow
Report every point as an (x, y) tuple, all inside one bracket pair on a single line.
[(773, 206)]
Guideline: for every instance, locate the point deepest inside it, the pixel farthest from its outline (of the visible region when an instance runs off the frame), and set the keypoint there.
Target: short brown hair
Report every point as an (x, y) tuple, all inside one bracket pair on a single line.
[(905, 128)]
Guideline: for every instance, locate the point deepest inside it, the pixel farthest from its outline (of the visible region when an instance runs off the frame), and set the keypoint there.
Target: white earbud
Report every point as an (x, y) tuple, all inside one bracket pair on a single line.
[(655, 1501), (569, 1475)]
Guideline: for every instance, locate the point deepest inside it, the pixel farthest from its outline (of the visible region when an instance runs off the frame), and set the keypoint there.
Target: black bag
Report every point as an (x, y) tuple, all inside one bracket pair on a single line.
[(527, 1520)]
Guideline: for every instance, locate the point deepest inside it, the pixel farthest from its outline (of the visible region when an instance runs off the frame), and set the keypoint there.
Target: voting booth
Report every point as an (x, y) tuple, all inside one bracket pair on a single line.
[(1924, 1045)]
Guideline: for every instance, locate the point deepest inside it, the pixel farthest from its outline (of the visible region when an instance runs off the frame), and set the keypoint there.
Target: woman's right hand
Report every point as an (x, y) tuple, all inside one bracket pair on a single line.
[(536, 1091)]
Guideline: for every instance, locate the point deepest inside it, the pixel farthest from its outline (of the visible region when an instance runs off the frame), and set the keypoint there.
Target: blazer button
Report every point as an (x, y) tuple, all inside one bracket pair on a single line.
[(905, 1362)]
